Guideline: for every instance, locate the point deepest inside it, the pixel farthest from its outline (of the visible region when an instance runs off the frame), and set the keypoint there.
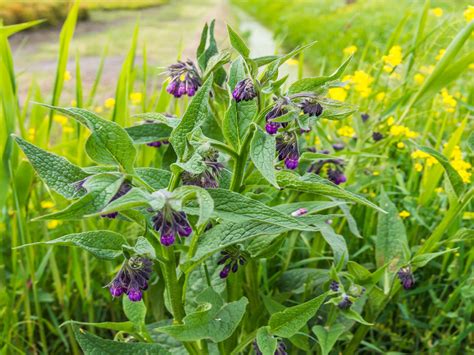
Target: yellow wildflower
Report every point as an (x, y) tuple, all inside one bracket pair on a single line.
[(419, 78), (350, 50), (99, 109), (136, 97), (460, 165), (361, 81), (346, 131), (400, 145), (47, 204), (109, 103), (439, 190), (73, 103), (471, 66), (390, 121), (402, 131), (440, 54), (380, 96), (448, 101), (418, 167), (469, 13), (52, 224), (317, 141), (376, 173), (437, 11), (339, 94), (292, 61), (393, 58), (419, 154), (62, 120), (31, 134), (404, 214), (67, 75)]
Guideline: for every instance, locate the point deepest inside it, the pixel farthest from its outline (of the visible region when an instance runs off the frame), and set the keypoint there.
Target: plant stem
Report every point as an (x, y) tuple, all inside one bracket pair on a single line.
[(240, 163)]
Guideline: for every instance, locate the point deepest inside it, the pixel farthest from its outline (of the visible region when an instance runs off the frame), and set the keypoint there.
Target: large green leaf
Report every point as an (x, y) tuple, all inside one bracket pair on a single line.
[(148, 132), (57, 172), (101, 189), (213, 319), (262, 153), (266, 342), (156, 178), (203, 198), (289, 321), (238, 43), (103, 244), (327, 336), (133, 199), (194, 116), (93, 345), (109, 143), (313, 183), (391, 243)]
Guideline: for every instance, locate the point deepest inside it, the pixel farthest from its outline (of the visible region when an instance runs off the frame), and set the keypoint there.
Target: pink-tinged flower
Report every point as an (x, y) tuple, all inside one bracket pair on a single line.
[(132, 279)]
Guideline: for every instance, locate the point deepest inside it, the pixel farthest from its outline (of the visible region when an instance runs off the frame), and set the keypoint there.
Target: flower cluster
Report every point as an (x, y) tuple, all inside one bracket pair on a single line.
[(402, 132), (123, 189), (277, 110), (231, 259), (157, 144), (287, 149), (209, 178), (346, 131), (185, 79), (449, 102), (361, 82), (393, 59), (460, 165), (132, 279), (405, 275), (345, 299), (332, 168), (244, 91), (171, 224)]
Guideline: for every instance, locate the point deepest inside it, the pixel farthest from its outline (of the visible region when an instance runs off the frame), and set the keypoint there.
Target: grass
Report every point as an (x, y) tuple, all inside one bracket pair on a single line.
[(40, 288)]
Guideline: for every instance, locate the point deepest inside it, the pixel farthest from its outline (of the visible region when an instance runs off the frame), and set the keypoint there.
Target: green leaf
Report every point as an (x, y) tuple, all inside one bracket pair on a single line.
[(235, 207), (327, 337), (312, 84), (313, 183), (289, 321), (134, 311), (93, 345), (453, 176), (103, 244), (159, 118), (57, 172), (238, 43), (132, 199), (102, 188), (148, 132), (423, 259), (336, 242), (262, 153), (109, 143), (267, 344), (353, 315), (7, 31), (128, 327), (156, 178), (470, 142), (203, 198), (359, 272), (213, 319), (391, 242), (194, 116)]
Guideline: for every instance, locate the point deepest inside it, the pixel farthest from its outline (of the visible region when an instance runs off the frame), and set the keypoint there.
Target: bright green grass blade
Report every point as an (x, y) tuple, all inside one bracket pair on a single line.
[(98, 76)]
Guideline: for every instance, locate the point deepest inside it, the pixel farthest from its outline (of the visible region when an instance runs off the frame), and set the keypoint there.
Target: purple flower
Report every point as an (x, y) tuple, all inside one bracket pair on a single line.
[(336, 176), (365, 117), (185, 79), (338, 146), (280, 350), (132, 279), (311, 108), (377, 136), (209, 178), (244, 91), (287, 149), (157, 144), (277, 111), (231, 259), (171, 224), (334, 286), (272, 127), (345, 303), (406, 277), (123, 189)]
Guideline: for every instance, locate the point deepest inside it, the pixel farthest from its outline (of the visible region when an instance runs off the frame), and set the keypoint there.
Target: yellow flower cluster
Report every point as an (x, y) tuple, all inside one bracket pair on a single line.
[(346, 131), (109, 103), (418, 154), (393, 58), (136, 98), (339, 94), (462, 167), (469, 13), (404, 214), (292, 62), (402, 132), (448, 101), (437, 11), (67, 75), (440, 54), (350, 50), (380, 96), (361, 82)]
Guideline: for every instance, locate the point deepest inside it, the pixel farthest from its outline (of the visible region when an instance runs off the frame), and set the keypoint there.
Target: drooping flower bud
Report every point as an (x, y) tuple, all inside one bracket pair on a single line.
[(299, 212), (171, 224), (345, 303), (338, 146), (278, 110), (377, 136), (336, 176), (287, 149), (157, 144), (185, 79), (209, 178), (334, 286), (311, 108), (123, 189), (244, 91), (231, 259), (406, 277), (365, 117), (132, 279)]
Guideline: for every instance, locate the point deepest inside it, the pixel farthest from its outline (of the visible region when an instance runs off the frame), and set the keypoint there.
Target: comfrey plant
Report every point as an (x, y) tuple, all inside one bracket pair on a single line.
[(207, 261)]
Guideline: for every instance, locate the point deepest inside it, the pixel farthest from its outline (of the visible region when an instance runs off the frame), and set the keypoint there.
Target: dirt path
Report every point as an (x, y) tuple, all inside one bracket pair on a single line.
[(163, 29)]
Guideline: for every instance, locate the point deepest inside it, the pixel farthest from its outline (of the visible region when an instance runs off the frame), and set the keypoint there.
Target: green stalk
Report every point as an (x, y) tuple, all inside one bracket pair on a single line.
[(239, 167)]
